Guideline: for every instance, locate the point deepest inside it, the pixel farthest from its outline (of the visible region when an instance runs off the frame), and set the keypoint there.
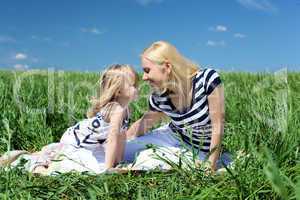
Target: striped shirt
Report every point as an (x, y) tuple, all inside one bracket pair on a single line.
[(193, 124)]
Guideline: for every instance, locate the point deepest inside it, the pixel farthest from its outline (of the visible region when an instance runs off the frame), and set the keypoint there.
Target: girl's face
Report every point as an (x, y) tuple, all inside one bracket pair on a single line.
[(129, 91), (154, 74)]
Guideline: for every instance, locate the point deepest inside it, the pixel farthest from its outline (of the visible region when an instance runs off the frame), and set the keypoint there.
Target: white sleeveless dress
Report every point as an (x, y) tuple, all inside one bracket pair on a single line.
[(81, 148)]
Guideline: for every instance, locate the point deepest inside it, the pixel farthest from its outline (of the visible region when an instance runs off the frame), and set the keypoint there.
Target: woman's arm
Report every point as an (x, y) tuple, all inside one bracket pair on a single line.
[(115, 140), (141, 126), (217, 115)]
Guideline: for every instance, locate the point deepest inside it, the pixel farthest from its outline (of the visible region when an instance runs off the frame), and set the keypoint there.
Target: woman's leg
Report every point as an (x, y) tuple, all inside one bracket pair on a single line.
[(225, 159), (121, 147), (161, 137)]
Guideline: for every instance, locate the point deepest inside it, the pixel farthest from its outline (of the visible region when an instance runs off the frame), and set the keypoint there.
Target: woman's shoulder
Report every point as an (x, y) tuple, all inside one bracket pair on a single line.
[(206, 75), (206, 71)]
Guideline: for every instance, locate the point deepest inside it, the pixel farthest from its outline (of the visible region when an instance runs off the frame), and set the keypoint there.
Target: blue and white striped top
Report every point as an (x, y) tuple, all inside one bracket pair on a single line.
[(193, 124)]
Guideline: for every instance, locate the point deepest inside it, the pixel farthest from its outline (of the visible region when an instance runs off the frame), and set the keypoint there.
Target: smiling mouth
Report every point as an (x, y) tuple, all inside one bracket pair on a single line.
[(151, 83)]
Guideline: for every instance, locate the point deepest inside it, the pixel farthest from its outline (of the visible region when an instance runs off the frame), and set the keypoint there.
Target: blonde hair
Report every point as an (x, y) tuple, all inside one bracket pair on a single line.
[(111, 83), (182, 69)]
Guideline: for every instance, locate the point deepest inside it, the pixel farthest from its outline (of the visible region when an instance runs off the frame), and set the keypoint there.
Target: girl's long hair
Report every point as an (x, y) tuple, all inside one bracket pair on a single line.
[(182, 69), (111, 82)]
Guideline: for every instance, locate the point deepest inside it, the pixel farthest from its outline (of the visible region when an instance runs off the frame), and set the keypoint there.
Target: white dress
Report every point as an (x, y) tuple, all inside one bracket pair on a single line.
[(81, 148)]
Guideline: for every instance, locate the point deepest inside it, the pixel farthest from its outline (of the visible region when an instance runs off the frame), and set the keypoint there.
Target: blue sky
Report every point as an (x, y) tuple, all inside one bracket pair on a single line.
[(243, 35)]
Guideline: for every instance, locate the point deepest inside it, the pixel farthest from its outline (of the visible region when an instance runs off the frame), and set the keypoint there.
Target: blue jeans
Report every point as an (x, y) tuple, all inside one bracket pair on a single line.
[(164, 137)]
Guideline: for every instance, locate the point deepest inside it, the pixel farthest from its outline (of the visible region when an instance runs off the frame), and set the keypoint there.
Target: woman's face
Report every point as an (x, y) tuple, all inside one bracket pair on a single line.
[(155, 74)]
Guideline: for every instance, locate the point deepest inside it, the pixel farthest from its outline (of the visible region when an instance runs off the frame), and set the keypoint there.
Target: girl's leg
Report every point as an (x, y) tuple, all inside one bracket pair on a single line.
[(11, 156), (162, 136)]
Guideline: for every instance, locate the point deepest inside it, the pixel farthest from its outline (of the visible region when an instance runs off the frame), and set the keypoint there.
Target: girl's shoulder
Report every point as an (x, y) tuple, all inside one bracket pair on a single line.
[(95, 124), (111, 109)]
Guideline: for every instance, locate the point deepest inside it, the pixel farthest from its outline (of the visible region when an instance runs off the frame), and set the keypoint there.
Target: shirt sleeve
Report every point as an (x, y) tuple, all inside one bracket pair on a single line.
[(211, 80), (153, 106)]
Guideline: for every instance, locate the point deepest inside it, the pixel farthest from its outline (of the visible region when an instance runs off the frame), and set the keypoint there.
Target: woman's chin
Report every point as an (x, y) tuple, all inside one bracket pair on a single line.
[(151, 84), (156, 89)]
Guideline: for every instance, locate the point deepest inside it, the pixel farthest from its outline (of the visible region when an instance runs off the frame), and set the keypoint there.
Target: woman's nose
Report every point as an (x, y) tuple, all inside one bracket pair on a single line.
[(145, 77)]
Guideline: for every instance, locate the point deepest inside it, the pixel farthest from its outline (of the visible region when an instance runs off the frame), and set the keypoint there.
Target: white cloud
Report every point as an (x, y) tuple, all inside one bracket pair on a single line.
[(212, 43), (262, 5), (47, 39), (218, 28), (20, 56), (6, 39), (221, 28), (92, 30), (239, 35), (147, 2), (21, 67), (43, 39), (95, 31)]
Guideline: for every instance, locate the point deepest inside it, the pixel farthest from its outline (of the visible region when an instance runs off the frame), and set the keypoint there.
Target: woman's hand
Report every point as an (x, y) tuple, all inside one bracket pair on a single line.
[(217, 116), (141, 126), (207, 166)]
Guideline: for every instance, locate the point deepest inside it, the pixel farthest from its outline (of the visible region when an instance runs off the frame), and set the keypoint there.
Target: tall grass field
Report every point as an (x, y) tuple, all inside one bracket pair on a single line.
[(262, 120)]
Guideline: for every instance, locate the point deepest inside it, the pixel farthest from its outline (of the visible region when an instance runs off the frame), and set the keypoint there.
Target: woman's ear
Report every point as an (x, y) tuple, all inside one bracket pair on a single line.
[(168, 67), (119, 93)]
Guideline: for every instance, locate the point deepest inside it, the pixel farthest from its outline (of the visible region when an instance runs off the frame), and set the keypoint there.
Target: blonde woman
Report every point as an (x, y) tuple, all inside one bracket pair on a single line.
[(191, 97), (93, 144)]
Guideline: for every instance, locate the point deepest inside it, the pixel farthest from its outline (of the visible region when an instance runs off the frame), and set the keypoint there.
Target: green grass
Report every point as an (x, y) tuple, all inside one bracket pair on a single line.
[(262, 119)]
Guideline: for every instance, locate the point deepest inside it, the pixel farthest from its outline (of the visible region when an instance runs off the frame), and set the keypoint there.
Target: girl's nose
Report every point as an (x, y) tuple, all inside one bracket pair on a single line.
[(136, 93)]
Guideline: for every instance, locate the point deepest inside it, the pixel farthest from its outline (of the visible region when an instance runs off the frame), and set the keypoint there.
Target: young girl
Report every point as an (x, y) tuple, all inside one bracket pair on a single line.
[(96, 143), (108, 117)]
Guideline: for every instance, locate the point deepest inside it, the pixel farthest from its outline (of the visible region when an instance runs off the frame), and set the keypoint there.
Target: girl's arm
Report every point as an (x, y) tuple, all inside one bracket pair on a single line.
[(217, 115), (115, 140), (141, 126)]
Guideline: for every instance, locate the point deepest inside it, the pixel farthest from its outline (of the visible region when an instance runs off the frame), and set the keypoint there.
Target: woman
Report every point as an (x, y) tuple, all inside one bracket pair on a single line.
[(192, 98)]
